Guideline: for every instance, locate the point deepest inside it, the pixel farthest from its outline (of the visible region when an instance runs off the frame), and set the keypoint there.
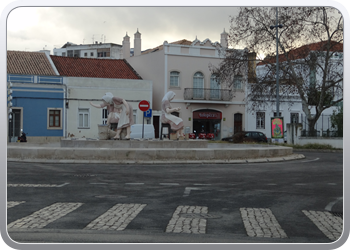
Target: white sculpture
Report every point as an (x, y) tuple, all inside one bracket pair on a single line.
[(119, 112), (175, 122)]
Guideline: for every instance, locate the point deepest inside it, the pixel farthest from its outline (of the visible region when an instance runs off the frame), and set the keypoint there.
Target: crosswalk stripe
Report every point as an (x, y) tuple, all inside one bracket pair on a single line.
[(13, 203), (180, 223), (43, 217), (116, 218), (330, 225), (260, 222)]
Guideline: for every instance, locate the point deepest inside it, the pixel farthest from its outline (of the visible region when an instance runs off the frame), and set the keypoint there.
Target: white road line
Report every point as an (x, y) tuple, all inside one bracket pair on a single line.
[(188, 190), (134, 183), (98, 183), (331, 204), (116, 218), (43, 217), (330, 225), (36, 185), (198, 184), (169, 184), (13, 203), (311, 160)]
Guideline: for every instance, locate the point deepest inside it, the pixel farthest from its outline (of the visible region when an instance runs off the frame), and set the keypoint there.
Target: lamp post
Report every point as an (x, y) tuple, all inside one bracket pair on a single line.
[(277, 65)]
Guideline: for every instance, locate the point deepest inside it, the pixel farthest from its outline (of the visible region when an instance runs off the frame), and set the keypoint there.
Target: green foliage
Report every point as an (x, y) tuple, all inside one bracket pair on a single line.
[(337, 121)]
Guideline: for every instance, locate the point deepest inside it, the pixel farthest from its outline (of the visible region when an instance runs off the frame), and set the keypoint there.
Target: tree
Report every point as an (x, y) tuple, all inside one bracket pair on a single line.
[(310, 57), (337, 121)]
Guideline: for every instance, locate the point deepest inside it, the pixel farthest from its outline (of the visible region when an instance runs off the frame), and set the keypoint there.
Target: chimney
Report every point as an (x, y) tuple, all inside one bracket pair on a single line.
[(137, 43), (223, 40), (126, 47)]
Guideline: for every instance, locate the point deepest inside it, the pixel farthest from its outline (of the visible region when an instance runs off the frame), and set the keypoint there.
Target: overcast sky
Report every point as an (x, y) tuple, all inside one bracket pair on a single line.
[(36, 28)]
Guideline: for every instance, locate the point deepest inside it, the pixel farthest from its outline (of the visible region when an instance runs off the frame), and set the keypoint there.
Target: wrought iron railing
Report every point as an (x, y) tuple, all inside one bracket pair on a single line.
[(208, 94)]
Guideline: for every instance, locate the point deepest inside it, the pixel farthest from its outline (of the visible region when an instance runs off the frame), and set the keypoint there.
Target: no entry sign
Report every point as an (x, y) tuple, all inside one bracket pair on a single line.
[(144, 105)]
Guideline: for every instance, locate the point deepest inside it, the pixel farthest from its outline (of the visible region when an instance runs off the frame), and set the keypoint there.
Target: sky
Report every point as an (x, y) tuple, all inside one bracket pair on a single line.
[(37, 28)]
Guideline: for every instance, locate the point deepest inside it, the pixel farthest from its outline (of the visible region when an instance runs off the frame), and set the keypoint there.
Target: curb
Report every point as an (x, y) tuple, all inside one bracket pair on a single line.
[(241, 161)]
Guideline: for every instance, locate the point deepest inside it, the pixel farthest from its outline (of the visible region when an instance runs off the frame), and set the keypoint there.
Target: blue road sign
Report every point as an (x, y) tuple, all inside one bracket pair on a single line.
[(148, 113)]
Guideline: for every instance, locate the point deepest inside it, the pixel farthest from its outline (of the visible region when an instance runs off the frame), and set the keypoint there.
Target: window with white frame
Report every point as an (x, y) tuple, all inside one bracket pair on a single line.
[(294, 117), (83, 117), (260, 120), (237, 82), (214, 87), (198, 85), (174, 79)]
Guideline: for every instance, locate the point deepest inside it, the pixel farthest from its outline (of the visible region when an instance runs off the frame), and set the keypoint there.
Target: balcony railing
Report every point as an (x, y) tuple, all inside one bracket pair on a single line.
[(208, 94)]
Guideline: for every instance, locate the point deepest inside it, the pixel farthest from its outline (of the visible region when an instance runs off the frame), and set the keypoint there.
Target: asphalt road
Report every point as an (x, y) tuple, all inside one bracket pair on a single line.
[(280, 202)]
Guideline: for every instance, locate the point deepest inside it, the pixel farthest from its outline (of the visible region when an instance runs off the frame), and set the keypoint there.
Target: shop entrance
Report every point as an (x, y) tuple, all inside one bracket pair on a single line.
[(207, 121)]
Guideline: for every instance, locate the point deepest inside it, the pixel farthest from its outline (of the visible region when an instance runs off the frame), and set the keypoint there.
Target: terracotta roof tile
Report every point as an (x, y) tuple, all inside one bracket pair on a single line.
[(28, 63), (304, 51), (95, 68)]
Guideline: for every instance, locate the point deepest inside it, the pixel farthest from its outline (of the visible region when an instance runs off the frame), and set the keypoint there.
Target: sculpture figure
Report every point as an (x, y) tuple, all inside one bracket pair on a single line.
[(119, 112), (175, 122)]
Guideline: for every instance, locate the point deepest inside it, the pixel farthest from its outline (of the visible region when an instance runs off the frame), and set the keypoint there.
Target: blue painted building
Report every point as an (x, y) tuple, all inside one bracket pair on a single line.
[(38, 97)]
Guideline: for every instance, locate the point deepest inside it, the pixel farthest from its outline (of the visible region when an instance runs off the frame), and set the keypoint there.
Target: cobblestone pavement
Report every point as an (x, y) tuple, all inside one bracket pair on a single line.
[(179, 223), (330, 225), (43, 217), (260, 222), (116, 218)]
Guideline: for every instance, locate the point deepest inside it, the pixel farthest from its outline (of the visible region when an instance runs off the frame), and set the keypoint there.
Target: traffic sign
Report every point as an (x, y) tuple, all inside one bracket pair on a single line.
[(144, 105), (148, 113)]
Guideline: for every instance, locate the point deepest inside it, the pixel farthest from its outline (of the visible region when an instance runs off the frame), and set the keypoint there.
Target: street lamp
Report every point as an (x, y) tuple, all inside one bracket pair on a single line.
[(277, 66)]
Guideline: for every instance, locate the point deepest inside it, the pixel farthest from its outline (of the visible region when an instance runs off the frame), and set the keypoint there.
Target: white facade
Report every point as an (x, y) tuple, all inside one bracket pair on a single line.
[(182, 67), (97, 50), (260, 119), (83, 119)]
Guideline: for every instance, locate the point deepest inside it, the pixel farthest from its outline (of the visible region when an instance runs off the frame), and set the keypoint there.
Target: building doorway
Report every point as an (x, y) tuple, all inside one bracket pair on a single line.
[(207, 121), (237, 123), (15, 125)]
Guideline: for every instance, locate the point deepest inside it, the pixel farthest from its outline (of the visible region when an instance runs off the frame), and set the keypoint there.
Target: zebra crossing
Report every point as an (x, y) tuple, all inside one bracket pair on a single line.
[(258, 222)]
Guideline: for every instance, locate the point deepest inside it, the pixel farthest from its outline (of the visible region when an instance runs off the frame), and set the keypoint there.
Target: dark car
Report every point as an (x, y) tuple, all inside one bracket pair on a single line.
[(246, 136)]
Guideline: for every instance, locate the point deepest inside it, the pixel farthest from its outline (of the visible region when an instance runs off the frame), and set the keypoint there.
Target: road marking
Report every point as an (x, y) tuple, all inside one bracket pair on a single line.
[(43, 217), (13, 203), (99, 183), (36, 185), (169, 184), (134, 183), (300, 184), (331, 204), (198, 184), (188, 190), (311, 160), (178, 224), (330, 225), (260, 222), (116, 218)]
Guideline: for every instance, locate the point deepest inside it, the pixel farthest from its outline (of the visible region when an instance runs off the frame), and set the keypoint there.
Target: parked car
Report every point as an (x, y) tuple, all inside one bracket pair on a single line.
[(246, 136)]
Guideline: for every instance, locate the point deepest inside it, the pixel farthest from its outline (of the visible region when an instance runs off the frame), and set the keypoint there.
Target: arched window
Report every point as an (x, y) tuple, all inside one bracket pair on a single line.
[(215, 87), (198, 85), (174, 79)]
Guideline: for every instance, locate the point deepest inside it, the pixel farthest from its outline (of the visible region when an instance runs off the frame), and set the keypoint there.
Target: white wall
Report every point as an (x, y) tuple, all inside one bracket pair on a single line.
[(94, 88)]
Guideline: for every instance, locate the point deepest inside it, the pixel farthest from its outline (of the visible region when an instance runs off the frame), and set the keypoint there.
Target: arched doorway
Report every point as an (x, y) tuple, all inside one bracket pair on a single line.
[(207, 121)]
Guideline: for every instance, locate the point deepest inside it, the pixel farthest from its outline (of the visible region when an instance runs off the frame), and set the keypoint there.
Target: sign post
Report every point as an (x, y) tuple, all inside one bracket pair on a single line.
[(143, 106)]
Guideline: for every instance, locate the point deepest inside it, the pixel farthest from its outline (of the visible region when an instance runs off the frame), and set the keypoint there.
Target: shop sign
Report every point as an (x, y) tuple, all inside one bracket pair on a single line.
[(277, 128), (207, 115)]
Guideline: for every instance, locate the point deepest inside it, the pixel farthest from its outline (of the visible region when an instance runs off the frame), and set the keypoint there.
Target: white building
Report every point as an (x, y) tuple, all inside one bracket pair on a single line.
[(260, 119), (96, 50), (87, 80), (184, 67)]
